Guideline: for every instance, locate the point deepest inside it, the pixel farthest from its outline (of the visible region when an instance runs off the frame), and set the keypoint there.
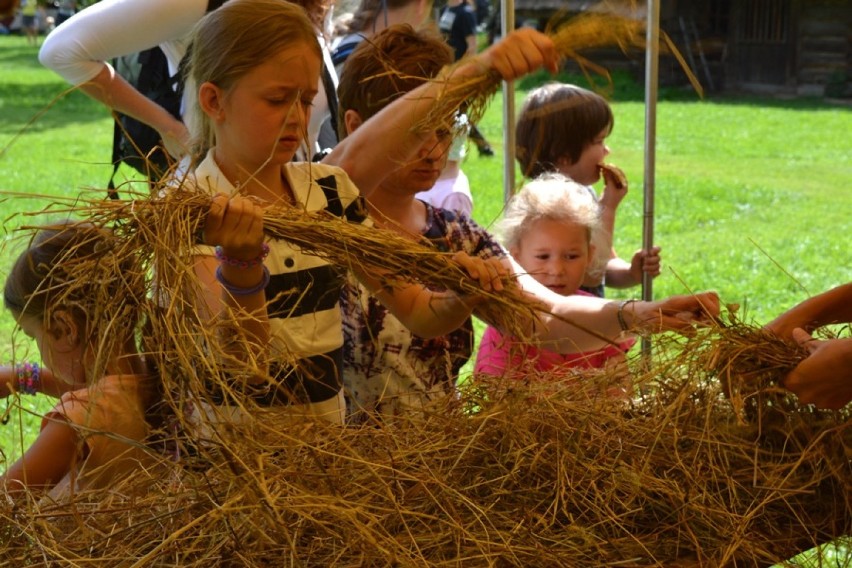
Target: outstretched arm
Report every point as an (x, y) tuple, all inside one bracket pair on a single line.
[(387, 140), (563, 320), (833, 306), (430, 314)]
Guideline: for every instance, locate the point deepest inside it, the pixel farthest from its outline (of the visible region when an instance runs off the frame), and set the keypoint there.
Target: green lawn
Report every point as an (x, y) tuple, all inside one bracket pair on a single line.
[(753, 196)]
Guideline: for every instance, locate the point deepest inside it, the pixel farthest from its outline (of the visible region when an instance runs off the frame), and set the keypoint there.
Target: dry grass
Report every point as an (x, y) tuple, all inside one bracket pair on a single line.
[(514, 473), (510, 474), (585, 31)]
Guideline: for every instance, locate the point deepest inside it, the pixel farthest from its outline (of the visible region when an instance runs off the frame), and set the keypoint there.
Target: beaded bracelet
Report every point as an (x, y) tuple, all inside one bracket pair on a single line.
[(620, 314), (264, 252), (240, 291), (29, 377)]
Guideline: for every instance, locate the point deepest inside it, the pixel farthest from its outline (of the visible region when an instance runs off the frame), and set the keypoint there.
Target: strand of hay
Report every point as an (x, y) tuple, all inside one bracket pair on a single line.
[(537, 475)]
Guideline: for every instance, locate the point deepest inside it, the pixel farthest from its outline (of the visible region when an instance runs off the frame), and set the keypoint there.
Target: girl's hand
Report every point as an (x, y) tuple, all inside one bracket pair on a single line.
[(825, 377), (615, 186), (676, 313), (645, 262), (236, 224), (519, 53), (489, 272), (175, 139)]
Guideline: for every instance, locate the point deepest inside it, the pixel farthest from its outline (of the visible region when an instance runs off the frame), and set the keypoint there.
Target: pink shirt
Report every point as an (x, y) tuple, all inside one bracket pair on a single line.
[(499, 355)]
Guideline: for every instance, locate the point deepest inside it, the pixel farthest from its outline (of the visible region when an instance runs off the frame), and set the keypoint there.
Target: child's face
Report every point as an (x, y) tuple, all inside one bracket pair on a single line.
[(264, 115), (59, 348), (424, 169), (585, 170), (556, 253)]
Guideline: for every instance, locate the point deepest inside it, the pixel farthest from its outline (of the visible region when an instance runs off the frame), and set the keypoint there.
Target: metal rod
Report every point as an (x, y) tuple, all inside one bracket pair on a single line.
[(507, 20), (651, 80)]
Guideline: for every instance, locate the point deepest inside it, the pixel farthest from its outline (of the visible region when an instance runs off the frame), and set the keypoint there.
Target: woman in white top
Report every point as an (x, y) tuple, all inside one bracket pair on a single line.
[(80, 50)]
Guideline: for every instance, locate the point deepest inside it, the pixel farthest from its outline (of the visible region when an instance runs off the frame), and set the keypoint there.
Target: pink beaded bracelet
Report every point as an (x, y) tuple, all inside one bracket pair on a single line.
[(29, 377), (264, 252)]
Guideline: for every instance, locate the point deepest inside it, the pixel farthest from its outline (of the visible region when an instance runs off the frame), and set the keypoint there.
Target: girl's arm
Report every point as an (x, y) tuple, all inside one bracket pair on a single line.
[(381, 144), (833, 306), (233, 286), (563, 319), (430, 314), (48, 383), (79, 51), (47, 461)]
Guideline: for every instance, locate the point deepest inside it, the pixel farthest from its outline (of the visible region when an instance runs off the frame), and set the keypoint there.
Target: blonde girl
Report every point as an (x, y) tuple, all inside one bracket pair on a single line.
[(551, 228)]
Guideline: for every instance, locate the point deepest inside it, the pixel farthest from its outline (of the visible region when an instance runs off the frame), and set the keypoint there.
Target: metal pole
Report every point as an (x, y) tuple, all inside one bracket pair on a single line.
[(507, 20), (651, 80)]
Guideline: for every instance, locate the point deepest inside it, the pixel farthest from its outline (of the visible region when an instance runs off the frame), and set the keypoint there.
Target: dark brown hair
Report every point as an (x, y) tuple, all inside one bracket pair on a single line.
[(72, 266), (558, 121), (413, 56), (370, 10)]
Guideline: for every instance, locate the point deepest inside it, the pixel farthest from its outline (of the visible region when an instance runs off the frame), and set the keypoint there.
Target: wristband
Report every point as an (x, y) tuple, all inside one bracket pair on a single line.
[(240, 291), (29, 377), (620, 314), (264, 252)]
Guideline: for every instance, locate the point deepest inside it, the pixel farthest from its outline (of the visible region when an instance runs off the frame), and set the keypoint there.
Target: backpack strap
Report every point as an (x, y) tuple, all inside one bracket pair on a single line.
[(116, 157)]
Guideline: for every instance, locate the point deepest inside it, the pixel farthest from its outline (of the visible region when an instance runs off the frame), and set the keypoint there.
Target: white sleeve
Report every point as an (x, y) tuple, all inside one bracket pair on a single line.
[(78, 49)]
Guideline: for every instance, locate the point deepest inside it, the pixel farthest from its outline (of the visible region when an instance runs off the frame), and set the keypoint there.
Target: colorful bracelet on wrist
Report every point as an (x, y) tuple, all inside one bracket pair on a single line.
[(621, 321), (29, 377), (239, 290), (221, 256)]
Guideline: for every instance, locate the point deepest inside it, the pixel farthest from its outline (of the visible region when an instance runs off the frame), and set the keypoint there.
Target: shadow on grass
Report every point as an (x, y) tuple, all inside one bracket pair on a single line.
[(47, 105)]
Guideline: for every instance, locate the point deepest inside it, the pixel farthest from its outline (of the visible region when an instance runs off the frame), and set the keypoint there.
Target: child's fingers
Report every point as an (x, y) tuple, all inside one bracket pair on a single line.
[(235, 224), (215, 217), (522, 52)]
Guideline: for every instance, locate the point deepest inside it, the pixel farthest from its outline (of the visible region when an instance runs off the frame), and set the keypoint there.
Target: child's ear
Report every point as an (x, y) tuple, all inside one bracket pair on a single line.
[(64, 330), (210, 99), (352, 120)]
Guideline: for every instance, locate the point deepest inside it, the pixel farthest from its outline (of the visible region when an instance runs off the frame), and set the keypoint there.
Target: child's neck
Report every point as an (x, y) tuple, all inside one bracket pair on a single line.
[(398, 212)]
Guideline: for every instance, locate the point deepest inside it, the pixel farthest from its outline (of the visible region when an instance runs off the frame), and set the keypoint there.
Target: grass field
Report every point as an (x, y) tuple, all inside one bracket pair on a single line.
[(753, 196)]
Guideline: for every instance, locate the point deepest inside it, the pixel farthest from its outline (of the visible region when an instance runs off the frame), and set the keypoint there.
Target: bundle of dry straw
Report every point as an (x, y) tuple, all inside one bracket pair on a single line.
[(511, 473), (587, 30)]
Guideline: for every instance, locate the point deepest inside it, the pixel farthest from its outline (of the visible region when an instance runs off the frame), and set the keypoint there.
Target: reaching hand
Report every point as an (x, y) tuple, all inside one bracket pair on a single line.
[(489, 272), (519, 53), (824, 378), (676, 313), (176, 139)]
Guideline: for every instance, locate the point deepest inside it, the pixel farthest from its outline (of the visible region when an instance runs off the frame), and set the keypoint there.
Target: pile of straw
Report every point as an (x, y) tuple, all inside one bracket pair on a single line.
[(509, 474)]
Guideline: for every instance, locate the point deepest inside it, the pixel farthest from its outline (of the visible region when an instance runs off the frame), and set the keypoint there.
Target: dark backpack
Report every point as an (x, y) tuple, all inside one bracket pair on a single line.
[(135, 143)]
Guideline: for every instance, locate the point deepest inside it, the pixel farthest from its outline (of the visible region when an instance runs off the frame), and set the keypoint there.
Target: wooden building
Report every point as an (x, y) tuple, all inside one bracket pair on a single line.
[(797, 47)]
